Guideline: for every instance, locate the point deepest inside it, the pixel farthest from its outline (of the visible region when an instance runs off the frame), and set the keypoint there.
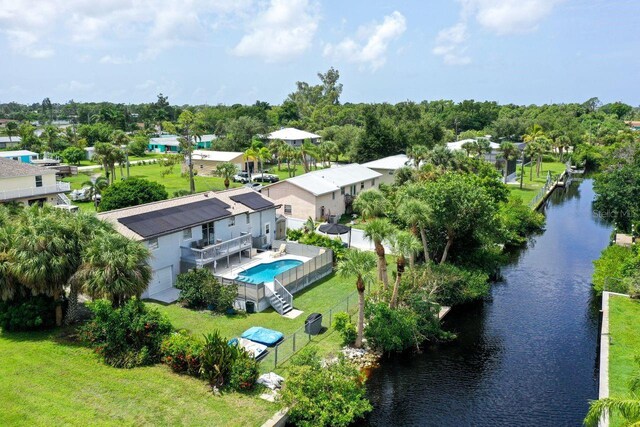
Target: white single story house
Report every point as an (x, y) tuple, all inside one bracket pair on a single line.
[(196, 231), (205, 162), (387, 166), (491, 157), (294, 137), (324, 193), (9, 142)]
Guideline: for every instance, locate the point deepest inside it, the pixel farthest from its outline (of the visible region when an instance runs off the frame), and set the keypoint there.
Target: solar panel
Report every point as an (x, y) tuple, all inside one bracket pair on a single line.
[(252, 200), (175, 218)]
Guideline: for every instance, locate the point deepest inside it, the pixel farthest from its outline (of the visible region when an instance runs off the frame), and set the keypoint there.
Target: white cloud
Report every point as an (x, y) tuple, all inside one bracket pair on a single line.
[(31, 27), (114, 59), (449, 45), (283, 30), (501, 17), (371, 42)]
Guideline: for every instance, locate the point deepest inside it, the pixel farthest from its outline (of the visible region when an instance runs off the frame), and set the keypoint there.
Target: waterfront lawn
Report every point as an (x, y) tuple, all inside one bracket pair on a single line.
[(531, 187), (172, 182), (48, 380), (624, 324)]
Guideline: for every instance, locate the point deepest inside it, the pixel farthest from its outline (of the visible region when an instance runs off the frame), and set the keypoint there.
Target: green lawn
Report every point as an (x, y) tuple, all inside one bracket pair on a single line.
[(46, 380), (532, 186), (172, 182), (624, 324)]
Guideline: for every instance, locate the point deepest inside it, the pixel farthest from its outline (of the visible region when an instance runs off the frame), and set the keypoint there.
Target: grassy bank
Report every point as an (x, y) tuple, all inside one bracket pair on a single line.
[(172, 182), (532, 186), (47, 380), (624, 324)]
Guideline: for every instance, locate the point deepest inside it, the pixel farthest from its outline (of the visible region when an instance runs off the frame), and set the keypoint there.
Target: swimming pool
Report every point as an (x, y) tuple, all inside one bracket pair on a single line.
[(267, 271)]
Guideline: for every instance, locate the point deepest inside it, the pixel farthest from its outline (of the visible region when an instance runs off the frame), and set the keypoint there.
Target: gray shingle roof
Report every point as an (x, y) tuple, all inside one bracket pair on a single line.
[(10, 169)]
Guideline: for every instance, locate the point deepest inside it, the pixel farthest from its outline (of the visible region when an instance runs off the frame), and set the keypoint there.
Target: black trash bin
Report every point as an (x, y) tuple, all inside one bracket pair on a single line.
[(313, 324), (250, 306)]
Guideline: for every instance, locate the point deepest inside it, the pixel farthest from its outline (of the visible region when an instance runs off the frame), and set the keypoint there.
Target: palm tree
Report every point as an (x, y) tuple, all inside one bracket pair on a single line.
[(326, 150), (530, 151), (509, 152), (105, 153), (250, 155), (308, 152), (562, 143), (360, 264), (629, 408), (416, 213), (540, 149), (226, 170), (309, 225), (114, 267), (120, 139), (469, 147), (531, 138), (482, 147), (277, 147), (95, 188), (263, 154), (404, 245), (41, 254), (12, 129), (418, 154), (370, 203), (378, 231), (9, 286)]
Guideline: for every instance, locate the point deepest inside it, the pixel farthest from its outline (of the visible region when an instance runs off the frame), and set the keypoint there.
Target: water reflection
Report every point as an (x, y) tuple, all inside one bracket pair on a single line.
[(526, 355)]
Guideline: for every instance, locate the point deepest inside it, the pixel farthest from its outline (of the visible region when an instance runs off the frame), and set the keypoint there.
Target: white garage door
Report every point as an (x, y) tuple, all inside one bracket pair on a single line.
[(162, 280)]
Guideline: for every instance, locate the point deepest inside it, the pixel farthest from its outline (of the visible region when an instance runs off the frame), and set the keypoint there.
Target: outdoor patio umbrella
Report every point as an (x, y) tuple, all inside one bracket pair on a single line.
[(335, 229)]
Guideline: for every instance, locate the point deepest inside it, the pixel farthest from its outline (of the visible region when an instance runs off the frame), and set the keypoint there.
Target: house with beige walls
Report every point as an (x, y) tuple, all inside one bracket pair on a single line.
[(29, 184), (205, 162), (387, 166), (322, 194)]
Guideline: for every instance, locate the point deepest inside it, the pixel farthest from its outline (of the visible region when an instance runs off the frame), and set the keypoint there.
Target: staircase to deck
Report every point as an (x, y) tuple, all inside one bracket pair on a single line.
[(64, 199), (279, 297)]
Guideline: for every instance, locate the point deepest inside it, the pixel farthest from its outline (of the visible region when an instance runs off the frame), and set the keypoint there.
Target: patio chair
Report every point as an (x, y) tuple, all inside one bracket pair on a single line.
[(280, 252)]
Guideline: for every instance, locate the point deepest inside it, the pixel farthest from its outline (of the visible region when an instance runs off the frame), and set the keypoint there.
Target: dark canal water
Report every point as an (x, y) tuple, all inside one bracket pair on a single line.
[(524, 357)]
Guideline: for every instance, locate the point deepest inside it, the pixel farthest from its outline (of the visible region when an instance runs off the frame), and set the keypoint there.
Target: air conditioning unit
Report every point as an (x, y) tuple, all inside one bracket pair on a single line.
[(259, 242)]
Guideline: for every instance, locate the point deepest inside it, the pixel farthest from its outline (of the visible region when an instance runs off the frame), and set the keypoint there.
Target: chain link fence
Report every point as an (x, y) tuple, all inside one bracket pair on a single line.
[(294, 342)]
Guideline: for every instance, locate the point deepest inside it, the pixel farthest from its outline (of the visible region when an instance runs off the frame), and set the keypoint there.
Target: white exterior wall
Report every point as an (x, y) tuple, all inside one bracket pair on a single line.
[(302, 202), (388, 176), (169, 250), (24, 182)]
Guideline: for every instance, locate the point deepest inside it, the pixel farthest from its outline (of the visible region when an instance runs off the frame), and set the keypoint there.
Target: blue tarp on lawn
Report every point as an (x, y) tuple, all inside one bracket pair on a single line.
[(262, 335)]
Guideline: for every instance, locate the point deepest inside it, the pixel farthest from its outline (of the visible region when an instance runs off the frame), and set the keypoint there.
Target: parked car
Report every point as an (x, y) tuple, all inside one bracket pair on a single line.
[(81, 195), (266, 177), (242, 177), (256, 186)]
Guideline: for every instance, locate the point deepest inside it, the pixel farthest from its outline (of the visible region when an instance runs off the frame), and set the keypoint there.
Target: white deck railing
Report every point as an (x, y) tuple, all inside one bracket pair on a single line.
[(211, 253), (60, 187)]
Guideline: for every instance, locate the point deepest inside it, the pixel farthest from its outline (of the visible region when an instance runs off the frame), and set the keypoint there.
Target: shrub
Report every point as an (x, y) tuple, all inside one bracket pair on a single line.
[(31, 313), (294, 235), (200, 289), (315, 239), (333, 395), (181, 352), (611, 268), (517, 221), (347, 330), (456, 285), (244, 372), (131, 192), (138, 146), (217, 359), (391, 329), (180, 193), (128, 336)]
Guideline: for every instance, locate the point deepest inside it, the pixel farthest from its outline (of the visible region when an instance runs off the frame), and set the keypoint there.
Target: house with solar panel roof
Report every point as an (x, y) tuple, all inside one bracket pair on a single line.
[(206, 230)]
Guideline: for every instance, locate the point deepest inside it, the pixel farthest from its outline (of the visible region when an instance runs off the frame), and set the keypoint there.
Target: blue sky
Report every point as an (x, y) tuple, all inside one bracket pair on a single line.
[(238, 51)]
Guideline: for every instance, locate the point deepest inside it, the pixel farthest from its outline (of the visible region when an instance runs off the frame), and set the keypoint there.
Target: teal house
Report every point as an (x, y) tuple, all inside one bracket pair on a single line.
[(170, 143), (22, 156)]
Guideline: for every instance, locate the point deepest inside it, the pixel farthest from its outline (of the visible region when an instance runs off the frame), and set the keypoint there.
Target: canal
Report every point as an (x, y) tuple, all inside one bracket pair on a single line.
[(524, 356)]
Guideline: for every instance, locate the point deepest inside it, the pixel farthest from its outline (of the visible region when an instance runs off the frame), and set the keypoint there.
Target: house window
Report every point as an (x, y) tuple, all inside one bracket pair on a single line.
[(201, 166), (247, 217), (208, 233), (342, 191), (333, 195), (362, 185), (232, 221), (287, 210), (186, 234), (373, 182), (153, 244), (38, 180)]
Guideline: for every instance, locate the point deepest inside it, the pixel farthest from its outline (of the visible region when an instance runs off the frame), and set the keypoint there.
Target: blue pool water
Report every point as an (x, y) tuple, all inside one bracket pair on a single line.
[(266, 272)]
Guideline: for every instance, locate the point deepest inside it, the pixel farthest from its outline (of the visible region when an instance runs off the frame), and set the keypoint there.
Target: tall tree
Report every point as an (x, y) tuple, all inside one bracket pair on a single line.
[(508, 152), (188, 125), (379, 230), (404, 245), (115, 267), (416, 214), (11, 129), (277, 147), (359, 264)]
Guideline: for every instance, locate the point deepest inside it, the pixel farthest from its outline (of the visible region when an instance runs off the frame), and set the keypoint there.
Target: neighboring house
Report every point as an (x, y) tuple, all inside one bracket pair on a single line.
[(633, 124), (324, 193), (22, 156), (29, 184), (388, 166), (199, 230), (89, 152), (294, 137), (491, 157), (6, 142), (205, 162), (171, 144)]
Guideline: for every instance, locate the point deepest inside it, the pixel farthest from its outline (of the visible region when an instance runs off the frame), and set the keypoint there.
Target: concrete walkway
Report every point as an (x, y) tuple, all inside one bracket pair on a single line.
[(92, 167)]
